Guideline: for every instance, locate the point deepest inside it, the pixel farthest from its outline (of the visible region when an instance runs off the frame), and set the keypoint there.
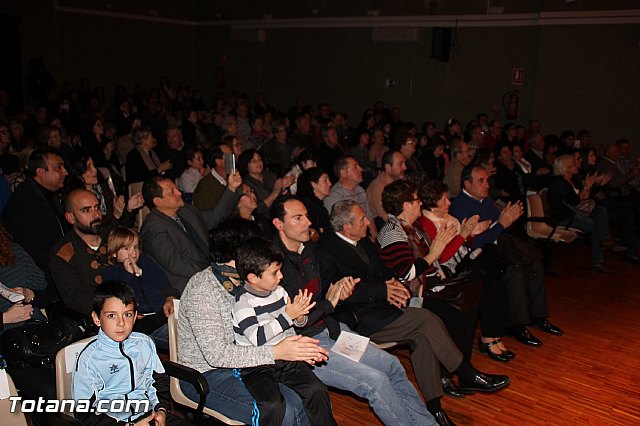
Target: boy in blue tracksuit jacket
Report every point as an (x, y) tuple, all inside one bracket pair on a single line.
[(121, 366)]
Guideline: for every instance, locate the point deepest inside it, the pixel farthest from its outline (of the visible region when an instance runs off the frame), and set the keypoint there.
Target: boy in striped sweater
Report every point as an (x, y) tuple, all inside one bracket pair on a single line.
[(264, 315)]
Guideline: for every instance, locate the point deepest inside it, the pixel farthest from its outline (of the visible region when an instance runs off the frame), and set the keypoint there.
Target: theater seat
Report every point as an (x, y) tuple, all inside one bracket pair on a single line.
[(180, 372), (541, 227)]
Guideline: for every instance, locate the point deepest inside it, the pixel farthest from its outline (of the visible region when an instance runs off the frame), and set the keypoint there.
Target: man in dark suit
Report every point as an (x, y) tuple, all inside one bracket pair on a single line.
[(176, 235), (375, 309)]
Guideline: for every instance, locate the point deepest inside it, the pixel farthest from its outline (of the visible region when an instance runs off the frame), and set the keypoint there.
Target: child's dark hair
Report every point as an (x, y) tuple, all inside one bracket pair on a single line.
[(117, 289), (255, 256)]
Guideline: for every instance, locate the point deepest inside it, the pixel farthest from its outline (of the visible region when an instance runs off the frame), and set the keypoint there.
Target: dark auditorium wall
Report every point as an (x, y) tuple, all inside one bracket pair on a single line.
[(347, 69), (108, 51), (575, 76), (590, 74)]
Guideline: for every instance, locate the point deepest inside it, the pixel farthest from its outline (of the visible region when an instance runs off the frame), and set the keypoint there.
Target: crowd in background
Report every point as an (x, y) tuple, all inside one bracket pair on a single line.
[(419, 203)]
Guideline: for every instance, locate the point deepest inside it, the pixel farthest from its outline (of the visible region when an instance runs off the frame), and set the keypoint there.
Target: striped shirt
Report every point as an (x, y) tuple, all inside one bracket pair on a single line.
[(259, 317)]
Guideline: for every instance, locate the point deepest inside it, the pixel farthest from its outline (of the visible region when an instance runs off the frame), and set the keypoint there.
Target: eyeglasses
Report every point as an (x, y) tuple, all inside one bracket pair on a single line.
[(248, 192)]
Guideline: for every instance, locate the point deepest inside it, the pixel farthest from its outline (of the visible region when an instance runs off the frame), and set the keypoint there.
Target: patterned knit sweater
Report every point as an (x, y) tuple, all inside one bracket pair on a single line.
[(205, 329)]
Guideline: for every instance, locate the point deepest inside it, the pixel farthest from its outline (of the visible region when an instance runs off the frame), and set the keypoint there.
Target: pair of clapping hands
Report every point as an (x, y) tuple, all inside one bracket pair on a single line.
[(302, 304)]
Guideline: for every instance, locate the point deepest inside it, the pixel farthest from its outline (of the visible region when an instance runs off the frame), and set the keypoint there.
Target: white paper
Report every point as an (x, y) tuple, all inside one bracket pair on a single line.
[(9, 294), (4, 385), (71, 353), (351, 345)]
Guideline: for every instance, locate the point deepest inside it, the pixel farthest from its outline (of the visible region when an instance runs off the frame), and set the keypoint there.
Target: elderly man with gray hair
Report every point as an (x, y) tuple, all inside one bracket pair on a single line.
[(377, 309)]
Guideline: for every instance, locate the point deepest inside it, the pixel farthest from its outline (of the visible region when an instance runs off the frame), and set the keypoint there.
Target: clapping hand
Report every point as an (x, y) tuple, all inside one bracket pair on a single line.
[(346, 285), (510, 214), (300, 306), (135, 202), (468, 225), (443, 237), (481, 227)]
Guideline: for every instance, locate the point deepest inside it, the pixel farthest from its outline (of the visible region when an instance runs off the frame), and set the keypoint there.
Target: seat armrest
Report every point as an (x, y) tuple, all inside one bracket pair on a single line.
[(187, 374)]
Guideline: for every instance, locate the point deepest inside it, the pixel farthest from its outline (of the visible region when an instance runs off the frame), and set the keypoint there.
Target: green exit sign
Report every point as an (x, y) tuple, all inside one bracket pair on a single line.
[(391, 83)]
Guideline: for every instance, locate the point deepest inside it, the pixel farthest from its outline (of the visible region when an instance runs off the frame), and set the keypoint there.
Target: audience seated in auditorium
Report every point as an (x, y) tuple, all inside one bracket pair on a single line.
[(393, 168), (266, 185), (155, 294), (34, 215), (379, 308), (206, 336), (174, 152), (313, 187), (277, 152), (78, 258), (460, 157), (142, 162), (578, 210), (188, 181), (349, 174), (210, 188), (379, 376), (175, 235), (525, 279)]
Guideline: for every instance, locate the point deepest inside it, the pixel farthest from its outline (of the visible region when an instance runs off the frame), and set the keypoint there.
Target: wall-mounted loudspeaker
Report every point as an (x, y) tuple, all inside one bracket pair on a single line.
[(441, 44)]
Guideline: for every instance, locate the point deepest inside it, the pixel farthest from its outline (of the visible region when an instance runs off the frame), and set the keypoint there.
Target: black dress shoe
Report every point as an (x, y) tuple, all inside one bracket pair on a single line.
[(522, 335), (442, 419), (544, 325), (485, 348), (451, 388), (483, 382)]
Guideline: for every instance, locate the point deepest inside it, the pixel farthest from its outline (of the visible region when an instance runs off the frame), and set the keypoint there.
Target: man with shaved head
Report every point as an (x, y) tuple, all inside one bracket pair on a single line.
[(78, 258)]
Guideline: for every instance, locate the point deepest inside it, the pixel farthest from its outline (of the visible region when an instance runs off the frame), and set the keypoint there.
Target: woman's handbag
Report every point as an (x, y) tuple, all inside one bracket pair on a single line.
[(34, 344), (462, 291)]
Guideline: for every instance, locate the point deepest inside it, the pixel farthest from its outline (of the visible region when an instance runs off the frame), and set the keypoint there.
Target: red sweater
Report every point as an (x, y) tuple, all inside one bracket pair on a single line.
[(429, 227)]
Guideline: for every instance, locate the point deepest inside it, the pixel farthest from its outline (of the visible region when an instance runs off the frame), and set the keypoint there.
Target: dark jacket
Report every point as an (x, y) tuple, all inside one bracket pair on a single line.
[(367, 310), (77, 270), (181, 255), (152, 287), (34, 222), (300, 271)]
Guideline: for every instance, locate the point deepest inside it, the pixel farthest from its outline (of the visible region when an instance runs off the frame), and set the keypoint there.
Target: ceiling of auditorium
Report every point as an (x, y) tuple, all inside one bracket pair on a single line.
[(242, 10)]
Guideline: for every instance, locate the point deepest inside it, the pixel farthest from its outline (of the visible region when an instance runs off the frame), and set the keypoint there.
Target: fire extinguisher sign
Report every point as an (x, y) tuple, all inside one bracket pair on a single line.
[(517, 76)]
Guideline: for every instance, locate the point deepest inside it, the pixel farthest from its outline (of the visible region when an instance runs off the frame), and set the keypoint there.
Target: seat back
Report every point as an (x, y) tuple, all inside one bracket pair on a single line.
[(65, 363), (8, 418), (174, 384), (535, 209), (133, 189)]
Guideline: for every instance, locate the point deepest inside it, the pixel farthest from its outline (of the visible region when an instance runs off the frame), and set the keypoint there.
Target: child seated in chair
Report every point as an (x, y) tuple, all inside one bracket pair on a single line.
[(121, 366), (264, 315)]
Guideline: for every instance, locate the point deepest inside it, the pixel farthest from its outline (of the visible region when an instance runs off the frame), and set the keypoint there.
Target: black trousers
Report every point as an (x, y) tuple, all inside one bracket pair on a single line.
[(495, 313), (262, 384), (461, 325)]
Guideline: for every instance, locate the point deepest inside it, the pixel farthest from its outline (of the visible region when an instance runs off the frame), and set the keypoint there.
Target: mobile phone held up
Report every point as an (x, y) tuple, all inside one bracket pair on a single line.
[(230, 164)]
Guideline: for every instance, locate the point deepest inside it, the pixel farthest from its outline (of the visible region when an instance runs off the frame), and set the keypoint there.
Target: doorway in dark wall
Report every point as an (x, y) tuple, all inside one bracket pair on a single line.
[(11, 69)]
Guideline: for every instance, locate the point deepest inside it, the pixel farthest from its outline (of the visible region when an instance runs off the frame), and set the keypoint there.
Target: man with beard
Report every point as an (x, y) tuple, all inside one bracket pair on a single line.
[(78, 257)]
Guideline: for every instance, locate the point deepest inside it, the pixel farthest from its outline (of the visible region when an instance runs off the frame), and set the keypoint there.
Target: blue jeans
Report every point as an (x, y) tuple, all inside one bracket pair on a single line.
[(160, 337), (227, 395), (597, 224), (379, 378)]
